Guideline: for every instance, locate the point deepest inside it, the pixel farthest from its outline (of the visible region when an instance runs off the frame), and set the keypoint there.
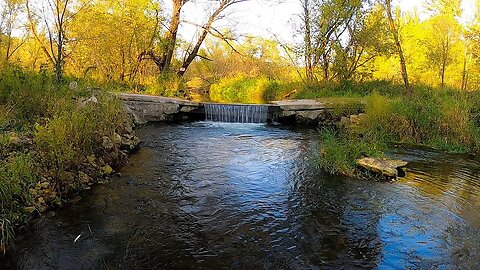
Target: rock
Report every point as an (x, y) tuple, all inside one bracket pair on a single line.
[(107, 170), (385, 167), (308, 115), (107, 144), (13, 139), (117, 139), (85, 101), (76, 199), (67, 176), (130, 143), (73, 85), (84, 178), (344, 121), (136, 120), (29, 209), (91, 159), (44, 184), (355, 119)]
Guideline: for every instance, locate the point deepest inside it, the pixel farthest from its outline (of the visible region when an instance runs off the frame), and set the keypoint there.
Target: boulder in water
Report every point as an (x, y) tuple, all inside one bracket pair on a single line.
[(391, 169)]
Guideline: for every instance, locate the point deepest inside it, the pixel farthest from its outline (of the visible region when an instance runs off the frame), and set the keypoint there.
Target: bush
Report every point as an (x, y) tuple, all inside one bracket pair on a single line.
[(444, 119), (29, 96), (75, 133)]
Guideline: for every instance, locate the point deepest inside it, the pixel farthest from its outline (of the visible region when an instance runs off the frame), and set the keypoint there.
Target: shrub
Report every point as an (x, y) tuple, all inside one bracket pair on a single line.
[(349, 89), (443, 119)]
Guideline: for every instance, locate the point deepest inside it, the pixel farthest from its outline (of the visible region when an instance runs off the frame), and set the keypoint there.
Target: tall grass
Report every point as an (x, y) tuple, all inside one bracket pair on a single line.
[(440, 119), (448, 120)]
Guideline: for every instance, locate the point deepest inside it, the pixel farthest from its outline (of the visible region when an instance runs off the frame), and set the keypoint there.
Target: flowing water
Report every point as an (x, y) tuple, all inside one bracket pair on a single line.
[(236, 113), (247, 196)]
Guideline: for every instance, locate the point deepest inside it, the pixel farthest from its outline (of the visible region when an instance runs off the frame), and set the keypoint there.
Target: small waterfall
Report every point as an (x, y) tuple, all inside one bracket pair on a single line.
[(236, 113)]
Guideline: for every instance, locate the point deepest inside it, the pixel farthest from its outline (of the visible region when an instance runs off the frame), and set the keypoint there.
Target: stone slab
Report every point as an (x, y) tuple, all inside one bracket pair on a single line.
[(300, 105)]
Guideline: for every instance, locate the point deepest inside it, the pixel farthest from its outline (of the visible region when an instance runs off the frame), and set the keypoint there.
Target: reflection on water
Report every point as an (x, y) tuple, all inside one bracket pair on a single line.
[(212, 196)]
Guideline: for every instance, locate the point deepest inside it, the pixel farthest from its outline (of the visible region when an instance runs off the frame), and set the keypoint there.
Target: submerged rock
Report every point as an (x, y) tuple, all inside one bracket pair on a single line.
[(391, 169)]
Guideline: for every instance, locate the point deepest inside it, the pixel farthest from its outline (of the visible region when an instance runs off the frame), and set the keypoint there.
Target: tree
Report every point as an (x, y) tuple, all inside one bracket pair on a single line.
[(396, 37), (169, 40), (444, 33), (324, 22), (52, 17), (366, 39), (8, 22), (113, 33)]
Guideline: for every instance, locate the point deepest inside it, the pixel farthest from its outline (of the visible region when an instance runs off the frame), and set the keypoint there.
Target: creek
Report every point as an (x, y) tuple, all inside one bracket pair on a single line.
[(210, 195)]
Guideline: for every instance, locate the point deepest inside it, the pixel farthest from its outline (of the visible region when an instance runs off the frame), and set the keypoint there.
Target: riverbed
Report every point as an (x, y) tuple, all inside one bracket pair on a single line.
[(209, 195)]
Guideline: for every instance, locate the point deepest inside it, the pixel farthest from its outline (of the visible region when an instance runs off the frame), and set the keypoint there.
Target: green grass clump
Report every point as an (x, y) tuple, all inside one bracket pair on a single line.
[(17, 175), (339, 152)]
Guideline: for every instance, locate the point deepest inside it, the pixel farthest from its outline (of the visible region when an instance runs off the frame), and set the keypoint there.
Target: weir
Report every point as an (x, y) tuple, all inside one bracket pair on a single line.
[(145, 108), (237, 113)]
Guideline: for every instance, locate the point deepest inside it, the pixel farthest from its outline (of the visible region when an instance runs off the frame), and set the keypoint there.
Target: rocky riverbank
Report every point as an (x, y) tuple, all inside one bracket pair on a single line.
[(44, 167)]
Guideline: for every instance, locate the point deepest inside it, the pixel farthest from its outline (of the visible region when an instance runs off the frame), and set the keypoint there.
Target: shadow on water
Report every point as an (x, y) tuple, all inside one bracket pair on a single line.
[(210, 196)]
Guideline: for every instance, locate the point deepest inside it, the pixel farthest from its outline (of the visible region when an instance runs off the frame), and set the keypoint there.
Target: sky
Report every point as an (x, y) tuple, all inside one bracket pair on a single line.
[(271, 19)]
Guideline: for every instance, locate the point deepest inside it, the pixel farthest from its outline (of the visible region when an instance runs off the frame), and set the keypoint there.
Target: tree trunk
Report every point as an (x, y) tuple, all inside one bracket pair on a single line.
[(59, 57), (396, 38), (464, 72), (206, 29), (445, 51), (171, 37), (326, 66), (308, 43)]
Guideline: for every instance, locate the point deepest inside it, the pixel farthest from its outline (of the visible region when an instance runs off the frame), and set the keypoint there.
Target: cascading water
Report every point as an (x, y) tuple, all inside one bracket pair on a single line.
[(236, 113)]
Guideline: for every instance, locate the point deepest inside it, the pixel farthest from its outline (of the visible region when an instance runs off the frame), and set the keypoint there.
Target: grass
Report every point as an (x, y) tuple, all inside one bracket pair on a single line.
[(340, 151), (448, 120), (349, 89)]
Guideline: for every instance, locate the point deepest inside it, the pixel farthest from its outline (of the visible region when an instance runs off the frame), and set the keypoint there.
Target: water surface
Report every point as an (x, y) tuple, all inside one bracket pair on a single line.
[(247, 196)]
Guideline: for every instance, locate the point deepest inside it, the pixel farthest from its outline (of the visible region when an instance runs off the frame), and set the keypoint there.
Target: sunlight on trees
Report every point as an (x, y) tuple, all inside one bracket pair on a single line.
[(135, 43)]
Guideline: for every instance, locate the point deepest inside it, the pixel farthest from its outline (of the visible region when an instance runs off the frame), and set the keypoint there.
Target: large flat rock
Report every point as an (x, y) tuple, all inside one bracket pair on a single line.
[(386, 167), (300, 105), (157, 99)]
